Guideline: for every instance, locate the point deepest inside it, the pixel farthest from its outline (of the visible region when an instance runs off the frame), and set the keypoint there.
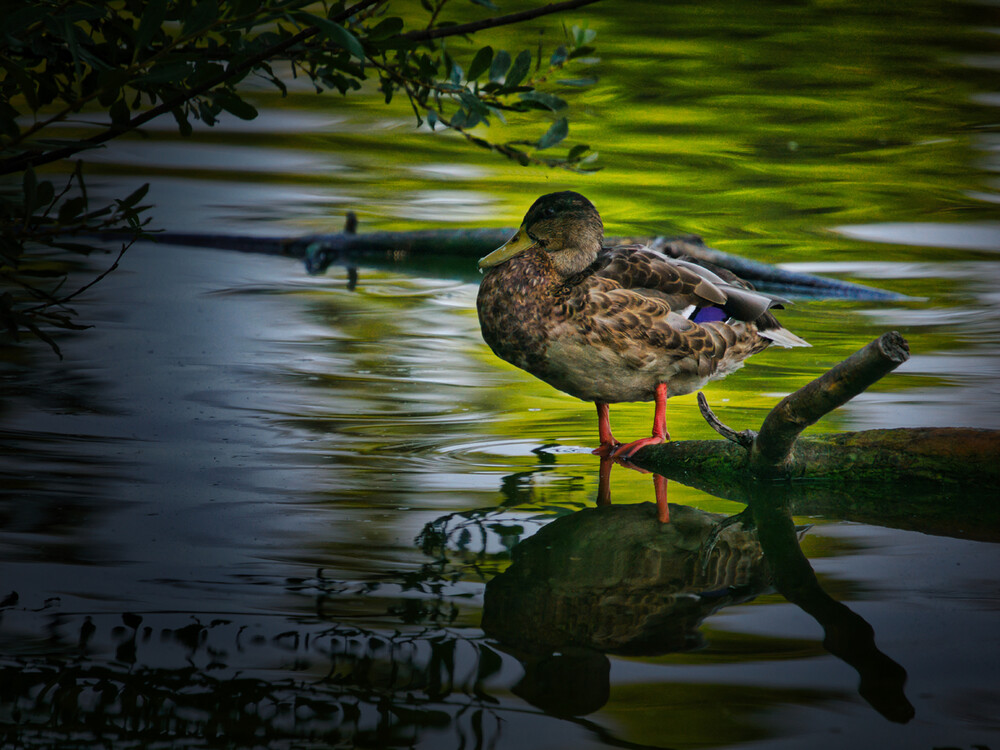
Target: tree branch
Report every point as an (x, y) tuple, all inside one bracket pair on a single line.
[(489, 23), (772, 449), (743, 439), (24, 161)]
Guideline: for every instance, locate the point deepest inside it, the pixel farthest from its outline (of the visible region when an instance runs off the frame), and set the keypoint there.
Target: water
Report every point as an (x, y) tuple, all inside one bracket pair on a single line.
[(257, 508)]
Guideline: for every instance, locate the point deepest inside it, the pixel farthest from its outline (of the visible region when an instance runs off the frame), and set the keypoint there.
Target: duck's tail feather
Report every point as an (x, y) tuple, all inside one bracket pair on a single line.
[(783, 337)]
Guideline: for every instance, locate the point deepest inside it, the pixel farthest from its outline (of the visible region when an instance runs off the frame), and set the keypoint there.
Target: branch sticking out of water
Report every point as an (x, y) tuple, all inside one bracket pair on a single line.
[(771, 450), (743, 439)]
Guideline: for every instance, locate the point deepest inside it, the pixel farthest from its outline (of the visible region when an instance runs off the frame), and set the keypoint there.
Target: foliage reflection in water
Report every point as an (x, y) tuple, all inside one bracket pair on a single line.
[(605, 580)]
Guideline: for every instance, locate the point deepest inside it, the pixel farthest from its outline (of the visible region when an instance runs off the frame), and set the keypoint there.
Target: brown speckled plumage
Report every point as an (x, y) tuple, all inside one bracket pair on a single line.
[(610, 324)]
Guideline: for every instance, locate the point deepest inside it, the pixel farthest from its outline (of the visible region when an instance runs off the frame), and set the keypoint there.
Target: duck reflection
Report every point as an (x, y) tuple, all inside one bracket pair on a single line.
[(613, 580)]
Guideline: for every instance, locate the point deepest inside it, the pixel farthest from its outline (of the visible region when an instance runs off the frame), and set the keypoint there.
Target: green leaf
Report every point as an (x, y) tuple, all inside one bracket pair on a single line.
[(233, 104), (119, 111), (204, 72), (207, 112), (170, 71), (558, 131), (520, 68), (559, 56), (8, 120), (583, 35), (472, 103), (542, 100), (80, 12), (70, 209), (244, 7), (589, 159), (46, 192), (182, 121), (385, 29), (24, 83), (337, 34), (577, 151), (480, 63), (136, 196), (153, 14), (29, 185), (24, 17), (108, 96), (204, 14), (501, 62)]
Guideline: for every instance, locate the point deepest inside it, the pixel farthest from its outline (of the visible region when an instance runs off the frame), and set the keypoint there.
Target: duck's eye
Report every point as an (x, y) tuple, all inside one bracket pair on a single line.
[(548, 212)]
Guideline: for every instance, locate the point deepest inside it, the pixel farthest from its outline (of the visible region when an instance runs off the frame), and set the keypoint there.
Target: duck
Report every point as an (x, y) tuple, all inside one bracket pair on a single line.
[(616, 324)]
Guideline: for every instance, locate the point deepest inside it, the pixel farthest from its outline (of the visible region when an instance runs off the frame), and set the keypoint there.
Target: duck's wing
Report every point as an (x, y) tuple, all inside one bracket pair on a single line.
[(693, 289)]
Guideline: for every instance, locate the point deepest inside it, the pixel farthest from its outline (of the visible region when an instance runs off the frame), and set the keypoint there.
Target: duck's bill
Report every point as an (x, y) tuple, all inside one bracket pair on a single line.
[(514, 246)]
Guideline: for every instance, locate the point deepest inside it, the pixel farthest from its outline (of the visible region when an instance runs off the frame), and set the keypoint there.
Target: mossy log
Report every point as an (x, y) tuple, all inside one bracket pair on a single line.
[(935, 480), (947, 455)]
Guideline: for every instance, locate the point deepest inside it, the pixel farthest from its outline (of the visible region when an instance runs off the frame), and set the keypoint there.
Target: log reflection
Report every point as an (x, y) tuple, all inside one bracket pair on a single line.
[(846, 635)]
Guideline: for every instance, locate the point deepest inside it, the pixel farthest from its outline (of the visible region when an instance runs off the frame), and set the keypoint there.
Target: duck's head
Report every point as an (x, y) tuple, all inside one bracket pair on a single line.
[(566, 226)]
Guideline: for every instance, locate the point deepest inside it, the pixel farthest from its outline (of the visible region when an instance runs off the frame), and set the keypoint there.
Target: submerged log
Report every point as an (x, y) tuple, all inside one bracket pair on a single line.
[(421, 247)]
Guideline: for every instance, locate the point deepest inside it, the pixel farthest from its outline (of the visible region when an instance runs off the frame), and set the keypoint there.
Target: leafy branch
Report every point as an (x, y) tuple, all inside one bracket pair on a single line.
[(470, 28), (137, 60), (50, 220)]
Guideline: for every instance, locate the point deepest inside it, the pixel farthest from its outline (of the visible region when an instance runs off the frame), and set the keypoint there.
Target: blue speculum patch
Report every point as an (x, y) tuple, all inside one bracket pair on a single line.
[(708, 314)]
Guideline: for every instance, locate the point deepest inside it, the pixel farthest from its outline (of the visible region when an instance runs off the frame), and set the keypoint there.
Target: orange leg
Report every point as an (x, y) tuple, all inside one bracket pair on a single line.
[(604, 481), (659, 427), (608, 442), (660, 488)]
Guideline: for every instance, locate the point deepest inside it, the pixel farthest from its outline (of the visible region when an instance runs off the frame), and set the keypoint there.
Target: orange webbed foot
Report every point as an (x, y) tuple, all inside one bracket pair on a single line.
[(606, 450), (627, 450)]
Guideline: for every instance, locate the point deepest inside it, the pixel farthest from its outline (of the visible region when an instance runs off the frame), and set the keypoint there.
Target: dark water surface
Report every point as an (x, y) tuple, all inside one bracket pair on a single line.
[(254, 508)]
